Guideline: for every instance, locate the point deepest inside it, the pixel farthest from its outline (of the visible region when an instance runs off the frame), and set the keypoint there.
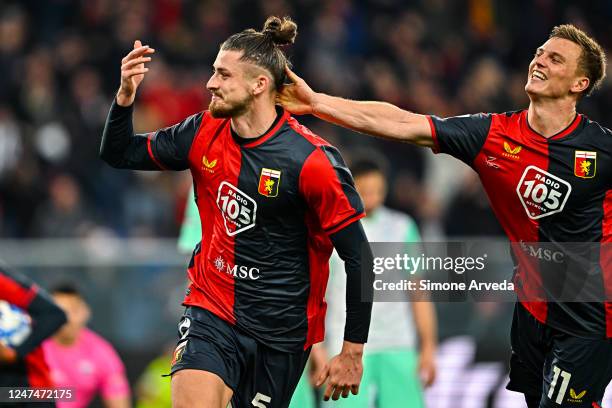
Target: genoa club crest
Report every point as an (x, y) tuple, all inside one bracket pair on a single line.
[(268, 182), (585, 164)]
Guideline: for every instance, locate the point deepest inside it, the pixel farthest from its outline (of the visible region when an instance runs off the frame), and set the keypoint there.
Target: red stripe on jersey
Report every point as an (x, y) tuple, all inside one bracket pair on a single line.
[(151, 155), (434, 136), (16, 294), (501, 173), (346, 222), (319, 251), (212, 287), (605, 259), (328, 199), (37, 369), (329, 210)]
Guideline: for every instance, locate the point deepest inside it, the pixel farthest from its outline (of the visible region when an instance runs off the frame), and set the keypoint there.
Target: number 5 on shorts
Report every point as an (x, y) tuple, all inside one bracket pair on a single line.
[(563, 389), (259, 400)]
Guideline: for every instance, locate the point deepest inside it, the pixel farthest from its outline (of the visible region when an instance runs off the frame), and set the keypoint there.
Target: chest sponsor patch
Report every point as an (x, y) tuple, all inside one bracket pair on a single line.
[(542, 193), (237, 208)]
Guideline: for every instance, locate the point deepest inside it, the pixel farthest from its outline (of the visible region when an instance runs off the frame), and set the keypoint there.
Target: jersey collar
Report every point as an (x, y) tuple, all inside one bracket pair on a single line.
[(281, 118), (538, 137)]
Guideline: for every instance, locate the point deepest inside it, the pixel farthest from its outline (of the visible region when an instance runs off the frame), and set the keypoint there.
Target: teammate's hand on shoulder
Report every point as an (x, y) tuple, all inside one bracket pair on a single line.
[(132, 72), (343, 372), (298, 98), (8, 355)]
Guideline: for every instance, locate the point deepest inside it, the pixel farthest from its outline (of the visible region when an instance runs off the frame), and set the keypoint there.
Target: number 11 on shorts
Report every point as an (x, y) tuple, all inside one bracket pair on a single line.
[(564, 383)]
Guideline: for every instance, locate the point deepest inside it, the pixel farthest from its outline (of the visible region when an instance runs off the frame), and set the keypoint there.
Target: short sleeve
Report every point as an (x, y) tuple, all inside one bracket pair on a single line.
[(169, 147), (460, 136), (329, 190)]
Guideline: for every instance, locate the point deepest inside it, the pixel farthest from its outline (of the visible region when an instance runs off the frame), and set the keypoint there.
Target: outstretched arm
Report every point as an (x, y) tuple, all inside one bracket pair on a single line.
[(375, 118)]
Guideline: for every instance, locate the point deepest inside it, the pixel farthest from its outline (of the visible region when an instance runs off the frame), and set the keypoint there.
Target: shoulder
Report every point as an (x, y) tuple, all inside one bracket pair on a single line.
[(206, 119), (305, 133), (317, 151), (507, 118), (595, 127)]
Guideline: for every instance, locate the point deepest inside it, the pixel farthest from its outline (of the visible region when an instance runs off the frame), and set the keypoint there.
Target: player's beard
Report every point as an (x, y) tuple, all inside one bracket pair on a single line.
[(227, 109)]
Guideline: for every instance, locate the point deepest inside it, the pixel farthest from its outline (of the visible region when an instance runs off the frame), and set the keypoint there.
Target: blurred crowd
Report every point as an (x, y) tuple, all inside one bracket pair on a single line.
[(59, 69)]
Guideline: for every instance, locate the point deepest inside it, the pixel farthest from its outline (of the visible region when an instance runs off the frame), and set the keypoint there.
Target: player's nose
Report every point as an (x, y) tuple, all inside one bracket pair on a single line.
[(212, 83)]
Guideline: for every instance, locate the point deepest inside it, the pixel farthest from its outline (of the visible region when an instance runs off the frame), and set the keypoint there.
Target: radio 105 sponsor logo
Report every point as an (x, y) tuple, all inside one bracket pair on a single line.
[(237, 208), (542, 193)]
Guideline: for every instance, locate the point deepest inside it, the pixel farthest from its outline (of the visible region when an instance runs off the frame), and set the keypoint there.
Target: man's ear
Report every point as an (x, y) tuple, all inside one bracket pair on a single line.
[(261, 84), (580, 85)]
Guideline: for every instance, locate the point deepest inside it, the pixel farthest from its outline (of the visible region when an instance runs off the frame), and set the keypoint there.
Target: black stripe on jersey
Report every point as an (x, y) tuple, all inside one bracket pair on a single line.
[(579, 222), (345, 177), (463, 136), (171, 145)]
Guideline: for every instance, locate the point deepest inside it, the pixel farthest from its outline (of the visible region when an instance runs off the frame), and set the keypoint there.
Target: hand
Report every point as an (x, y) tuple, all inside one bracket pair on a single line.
[(427, 366), (343, 372), (132, 72), (318, 358), (298, 98), (8, 355)]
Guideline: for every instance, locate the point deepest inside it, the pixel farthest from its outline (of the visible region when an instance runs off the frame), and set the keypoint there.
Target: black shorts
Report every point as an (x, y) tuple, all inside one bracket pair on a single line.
[(564, 370), (258, 375)]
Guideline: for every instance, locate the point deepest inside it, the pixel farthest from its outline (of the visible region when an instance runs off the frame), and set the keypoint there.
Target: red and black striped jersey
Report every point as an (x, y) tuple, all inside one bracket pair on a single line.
[(31, 369), (268, 207), (544, 190)]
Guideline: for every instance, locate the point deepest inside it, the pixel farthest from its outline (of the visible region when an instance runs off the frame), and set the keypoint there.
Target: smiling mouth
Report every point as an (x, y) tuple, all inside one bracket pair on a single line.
[(539, 75)]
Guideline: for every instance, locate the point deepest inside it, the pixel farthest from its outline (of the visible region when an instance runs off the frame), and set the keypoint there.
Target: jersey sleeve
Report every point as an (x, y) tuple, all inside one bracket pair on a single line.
[(164, 149), (46, 316), (329, 190), (460, 136), (353, 248)]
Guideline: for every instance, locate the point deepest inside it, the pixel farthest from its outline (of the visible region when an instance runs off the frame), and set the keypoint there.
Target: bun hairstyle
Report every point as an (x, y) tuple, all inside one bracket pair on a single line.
[(283, 32), (262, 48)]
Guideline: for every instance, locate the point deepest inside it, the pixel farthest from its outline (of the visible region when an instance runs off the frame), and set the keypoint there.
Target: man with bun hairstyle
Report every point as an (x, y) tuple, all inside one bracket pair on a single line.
[(548, 173), (274, 200)]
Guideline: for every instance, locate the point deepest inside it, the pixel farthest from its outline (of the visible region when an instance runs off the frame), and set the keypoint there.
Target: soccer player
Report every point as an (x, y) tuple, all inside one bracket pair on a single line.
[(81, 359), (274, 199), (303, 396), (25, 365), (391, 361), (547, 171)]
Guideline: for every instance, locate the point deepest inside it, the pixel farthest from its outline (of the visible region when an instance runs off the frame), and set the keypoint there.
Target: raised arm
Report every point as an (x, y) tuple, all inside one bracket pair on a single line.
[(375, 118), (165, 149)]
